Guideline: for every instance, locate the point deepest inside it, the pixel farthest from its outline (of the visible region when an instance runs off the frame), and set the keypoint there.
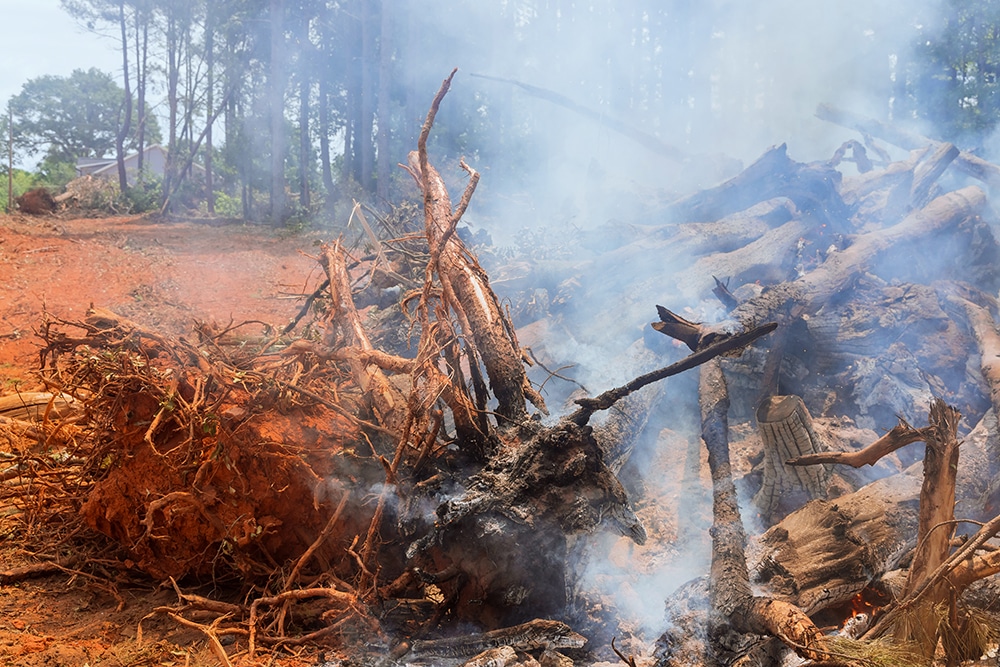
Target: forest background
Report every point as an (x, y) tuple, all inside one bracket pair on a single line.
[(287, 111)]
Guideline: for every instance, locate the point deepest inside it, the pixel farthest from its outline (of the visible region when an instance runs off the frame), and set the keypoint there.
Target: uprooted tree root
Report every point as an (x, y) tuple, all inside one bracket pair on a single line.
[(348, 493), (203, 462)]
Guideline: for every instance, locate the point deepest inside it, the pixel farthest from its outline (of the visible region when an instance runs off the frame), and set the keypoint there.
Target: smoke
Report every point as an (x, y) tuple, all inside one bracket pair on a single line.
[(717, 82), (715, 78)]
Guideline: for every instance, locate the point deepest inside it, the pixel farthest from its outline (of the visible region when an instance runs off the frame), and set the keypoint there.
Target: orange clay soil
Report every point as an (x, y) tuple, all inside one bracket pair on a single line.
[(163, 276)]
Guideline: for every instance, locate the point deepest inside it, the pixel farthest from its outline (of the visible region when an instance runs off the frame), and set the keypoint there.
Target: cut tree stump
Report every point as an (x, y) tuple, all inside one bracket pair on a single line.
[(785, 426)]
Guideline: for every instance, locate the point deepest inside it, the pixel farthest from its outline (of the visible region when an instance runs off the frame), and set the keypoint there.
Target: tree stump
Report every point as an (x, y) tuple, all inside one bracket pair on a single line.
[(785, 426)]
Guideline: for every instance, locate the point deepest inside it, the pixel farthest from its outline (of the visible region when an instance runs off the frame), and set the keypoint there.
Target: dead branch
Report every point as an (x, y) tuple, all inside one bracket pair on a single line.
[(210, 633), (346, 600), (588, 406), (324, 534), (900, 435), (36, 570), (644, 139)]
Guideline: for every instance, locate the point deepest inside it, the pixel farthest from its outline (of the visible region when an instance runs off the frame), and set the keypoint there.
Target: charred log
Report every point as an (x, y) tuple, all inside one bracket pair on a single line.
[(813, 189), (821, 285), (973, 165), (552, 485), (729, 583)]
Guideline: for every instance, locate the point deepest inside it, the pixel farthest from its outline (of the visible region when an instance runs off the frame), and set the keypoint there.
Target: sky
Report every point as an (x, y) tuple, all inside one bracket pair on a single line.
[(41, 38)]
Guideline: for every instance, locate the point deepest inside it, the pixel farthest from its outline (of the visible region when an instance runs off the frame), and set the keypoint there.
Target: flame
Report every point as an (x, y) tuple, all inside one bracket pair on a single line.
[(861, 606), (862, 603)]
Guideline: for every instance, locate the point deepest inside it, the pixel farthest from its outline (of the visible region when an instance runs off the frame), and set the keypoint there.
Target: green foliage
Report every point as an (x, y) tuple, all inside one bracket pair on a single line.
[(23, 181), (55, 174), (228, 207), (958, 70), (67, 118), (145, 194)]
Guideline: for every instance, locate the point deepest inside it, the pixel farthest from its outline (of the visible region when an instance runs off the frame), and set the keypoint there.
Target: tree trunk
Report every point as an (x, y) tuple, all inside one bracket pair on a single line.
[(383, 161), (305, 74), (785, 427), (126, 124), (173, 74), (936, 523), (276, 99), (142, 20), (324, 141), (364, 143), (209, 102)]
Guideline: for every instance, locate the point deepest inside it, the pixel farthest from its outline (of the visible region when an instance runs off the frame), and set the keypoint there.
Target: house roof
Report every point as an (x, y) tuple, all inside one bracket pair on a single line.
[(103, 162)]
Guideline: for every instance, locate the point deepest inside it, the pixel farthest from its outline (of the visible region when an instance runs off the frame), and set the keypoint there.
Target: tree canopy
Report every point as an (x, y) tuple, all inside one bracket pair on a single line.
[(67, 118), (295, 104), (957, 64)]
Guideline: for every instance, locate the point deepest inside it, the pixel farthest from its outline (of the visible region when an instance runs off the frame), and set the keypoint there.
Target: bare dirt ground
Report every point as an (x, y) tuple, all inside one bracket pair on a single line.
[(164, 276)]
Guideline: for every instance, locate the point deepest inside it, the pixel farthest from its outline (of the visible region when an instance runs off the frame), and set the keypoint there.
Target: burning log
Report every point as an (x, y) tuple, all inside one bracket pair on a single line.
[(774, 257), (819, 286), (536, 635), (534, 495), (927, 173), (985, 332), (929, 582)]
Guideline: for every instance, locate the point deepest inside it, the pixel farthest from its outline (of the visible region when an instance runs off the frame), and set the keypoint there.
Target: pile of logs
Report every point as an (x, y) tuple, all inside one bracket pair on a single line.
[(392, 478)]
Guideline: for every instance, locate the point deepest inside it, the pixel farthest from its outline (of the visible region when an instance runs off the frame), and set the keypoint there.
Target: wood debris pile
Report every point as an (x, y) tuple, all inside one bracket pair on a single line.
[(355, 495), (381, 479)]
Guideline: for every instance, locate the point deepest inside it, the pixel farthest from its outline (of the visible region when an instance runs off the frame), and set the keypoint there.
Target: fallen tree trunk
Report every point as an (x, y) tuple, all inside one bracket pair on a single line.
[(772, 258), (733, 605), (822, 284), (812, 187), (648, 141)]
